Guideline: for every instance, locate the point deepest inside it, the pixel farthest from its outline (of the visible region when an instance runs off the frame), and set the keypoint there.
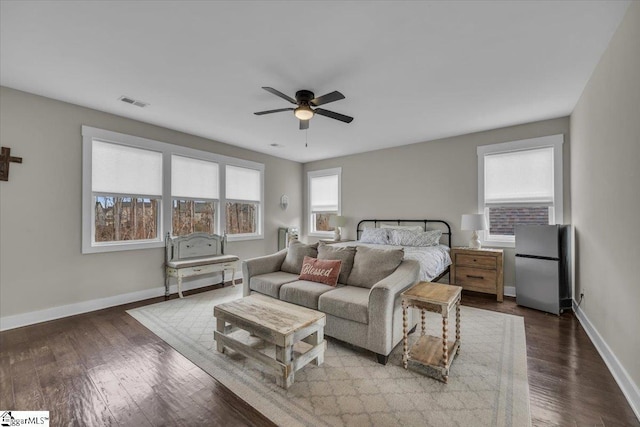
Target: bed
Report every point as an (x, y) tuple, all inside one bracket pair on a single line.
[(434, 260)]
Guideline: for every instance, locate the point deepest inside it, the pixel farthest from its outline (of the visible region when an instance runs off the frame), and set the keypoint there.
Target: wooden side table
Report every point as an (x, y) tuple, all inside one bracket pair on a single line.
[(479, 270), (435, 352)]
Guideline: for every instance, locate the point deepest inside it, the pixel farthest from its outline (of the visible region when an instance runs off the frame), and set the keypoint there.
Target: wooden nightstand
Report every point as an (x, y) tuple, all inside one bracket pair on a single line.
[(479, 270)]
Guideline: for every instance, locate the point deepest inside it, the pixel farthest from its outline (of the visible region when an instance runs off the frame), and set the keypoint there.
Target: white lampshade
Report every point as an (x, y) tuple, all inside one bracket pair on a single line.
[(338, 221), (473, 222)]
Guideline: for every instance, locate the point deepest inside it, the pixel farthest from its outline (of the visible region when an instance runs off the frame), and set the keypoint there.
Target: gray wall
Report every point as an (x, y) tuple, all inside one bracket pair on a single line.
[(605, 164), (41, 265), (435, 180)]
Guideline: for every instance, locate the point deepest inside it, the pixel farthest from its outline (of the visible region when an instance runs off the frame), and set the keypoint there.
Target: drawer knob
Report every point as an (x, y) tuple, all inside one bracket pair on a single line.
[(475, 277), (475, 260)]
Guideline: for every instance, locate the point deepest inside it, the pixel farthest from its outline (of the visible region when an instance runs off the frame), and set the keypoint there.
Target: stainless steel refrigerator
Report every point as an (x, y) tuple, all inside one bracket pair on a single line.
[(543, 264)]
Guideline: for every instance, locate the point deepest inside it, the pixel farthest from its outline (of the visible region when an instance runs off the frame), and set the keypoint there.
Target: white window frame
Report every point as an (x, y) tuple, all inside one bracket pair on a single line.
[(223, 205), (556, 212), (316, 174), (216, 202), (165, 209)]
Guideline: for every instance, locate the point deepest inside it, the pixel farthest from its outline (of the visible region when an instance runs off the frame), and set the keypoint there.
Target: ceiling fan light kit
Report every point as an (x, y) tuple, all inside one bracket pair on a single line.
[(305, 99), (303, 112)]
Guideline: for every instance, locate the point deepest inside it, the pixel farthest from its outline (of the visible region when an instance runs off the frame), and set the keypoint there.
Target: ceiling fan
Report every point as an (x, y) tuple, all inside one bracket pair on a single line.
[(305, 99)]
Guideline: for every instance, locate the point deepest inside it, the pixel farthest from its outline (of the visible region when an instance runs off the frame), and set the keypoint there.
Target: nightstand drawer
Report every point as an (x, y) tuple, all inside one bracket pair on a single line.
[(476, 261), (476, 278)]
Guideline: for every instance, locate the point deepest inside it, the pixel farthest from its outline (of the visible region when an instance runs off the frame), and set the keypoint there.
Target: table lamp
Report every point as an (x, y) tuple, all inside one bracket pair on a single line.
[(474, 222), (336, 222)]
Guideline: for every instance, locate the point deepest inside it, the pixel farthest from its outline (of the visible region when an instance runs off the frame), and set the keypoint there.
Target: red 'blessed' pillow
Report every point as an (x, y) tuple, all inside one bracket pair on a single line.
[(320, 270)]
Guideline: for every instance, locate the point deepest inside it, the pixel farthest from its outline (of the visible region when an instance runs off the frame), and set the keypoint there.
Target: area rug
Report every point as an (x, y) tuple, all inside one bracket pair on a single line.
[(487, 385)]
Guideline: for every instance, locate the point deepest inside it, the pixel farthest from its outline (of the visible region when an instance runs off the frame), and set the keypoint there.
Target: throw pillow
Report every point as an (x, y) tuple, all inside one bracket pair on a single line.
[(344, 254), (379, 236), (415, 238), (402, 227), (320, 270), (372, 265), (295, 256)]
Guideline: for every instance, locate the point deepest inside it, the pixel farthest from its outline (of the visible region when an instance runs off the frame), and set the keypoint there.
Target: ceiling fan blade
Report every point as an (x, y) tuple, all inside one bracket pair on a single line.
[(334, 115), (280, 94), (304, 124), (325, 99), (259, 113)]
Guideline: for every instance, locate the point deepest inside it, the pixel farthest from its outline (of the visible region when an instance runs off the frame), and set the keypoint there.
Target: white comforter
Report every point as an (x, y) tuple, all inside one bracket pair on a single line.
[(433, 259)]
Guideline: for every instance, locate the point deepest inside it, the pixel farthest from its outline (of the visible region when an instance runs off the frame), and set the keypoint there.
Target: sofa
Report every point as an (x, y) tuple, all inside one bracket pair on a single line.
[(364, 307)]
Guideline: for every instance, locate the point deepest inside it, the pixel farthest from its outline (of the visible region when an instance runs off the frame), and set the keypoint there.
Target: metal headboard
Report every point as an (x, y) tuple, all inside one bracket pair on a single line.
[(424, 223)]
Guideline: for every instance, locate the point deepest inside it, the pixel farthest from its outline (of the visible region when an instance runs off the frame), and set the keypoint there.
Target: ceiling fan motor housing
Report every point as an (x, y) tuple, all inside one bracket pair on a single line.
[(304, 97)]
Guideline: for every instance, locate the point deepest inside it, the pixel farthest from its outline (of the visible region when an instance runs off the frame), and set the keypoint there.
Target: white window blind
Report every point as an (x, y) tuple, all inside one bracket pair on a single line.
[(194, 178), (118, 169), (519, 177), (324, 193), (242, 183)]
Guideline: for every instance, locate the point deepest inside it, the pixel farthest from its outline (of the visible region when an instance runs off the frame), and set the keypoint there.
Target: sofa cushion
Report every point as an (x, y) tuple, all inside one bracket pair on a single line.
[(320, 270), (347, 302), (269, 283), (372, 265), (345, 254), (295, 255), (303, 292)]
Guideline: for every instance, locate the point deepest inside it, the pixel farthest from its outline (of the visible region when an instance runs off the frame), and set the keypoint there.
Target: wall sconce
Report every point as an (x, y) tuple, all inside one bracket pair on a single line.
[(284, 202)]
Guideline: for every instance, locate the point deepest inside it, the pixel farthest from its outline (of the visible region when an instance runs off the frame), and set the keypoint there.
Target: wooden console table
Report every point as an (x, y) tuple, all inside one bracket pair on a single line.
[(431, 351), (197, 254)]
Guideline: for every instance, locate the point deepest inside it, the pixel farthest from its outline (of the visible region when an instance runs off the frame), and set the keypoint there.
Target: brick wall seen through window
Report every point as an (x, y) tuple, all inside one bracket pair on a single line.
[(502, 220)]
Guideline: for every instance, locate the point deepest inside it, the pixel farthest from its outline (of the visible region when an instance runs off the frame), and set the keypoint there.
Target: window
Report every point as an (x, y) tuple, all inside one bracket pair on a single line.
[(126, 188), (194, 196), (519, 182), (324, 200), (135, 190), (244, 193)]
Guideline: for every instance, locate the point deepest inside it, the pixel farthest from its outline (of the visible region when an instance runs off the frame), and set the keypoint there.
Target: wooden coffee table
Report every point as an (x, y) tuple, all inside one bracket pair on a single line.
[(435, 352), (276, 322)]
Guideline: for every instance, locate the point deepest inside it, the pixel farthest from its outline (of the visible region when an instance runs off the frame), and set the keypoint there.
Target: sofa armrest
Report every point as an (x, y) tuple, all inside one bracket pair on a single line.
[(260, 265), (404, 276), (384, 297)]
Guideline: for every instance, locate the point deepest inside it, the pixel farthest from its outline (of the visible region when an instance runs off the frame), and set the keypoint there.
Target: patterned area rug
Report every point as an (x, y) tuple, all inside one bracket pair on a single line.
[(487, 385)]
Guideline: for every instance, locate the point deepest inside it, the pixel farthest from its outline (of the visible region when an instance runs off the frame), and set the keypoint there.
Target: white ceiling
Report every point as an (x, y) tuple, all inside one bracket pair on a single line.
[(410, 71)]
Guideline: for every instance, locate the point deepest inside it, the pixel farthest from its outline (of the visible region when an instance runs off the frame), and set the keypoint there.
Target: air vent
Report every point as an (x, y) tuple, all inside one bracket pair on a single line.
[(132, 101)]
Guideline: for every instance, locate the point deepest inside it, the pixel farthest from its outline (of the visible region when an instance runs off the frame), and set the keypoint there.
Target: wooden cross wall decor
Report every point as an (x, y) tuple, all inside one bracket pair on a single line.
[(5, 159)]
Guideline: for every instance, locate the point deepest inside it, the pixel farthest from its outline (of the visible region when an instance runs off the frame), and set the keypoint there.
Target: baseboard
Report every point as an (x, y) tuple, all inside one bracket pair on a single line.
[(510, 291), (625, 382), (25, 319)]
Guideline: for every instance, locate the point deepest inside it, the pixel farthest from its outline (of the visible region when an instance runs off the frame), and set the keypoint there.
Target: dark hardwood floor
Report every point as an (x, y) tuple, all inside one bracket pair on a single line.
[(104, 368)]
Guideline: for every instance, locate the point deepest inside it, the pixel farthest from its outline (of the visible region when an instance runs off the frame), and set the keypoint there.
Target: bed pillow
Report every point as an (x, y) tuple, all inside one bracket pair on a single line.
[(295, 256), (378, 236), (320, 270), (415, 238), (372, 265), (402, 227), (345, 254)]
